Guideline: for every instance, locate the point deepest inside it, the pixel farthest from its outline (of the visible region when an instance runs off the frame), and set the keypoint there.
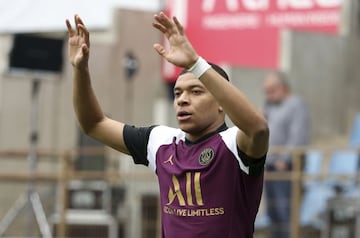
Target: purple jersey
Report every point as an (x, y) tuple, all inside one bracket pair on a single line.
[(208, 188)]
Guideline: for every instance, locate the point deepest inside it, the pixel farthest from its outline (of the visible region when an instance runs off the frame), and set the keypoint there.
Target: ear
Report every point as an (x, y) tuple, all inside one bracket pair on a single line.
[(221, 109)]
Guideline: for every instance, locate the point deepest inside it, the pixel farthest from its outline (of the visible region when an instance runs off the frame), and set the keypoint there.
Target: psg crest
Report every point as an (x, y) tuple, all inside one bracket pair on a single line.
[(206, 156)]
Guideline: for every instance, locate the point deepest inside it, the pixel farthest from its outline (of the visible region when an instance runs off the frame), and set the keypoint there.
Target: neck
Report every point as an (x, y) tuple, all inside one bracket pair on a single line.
[(199, 136)]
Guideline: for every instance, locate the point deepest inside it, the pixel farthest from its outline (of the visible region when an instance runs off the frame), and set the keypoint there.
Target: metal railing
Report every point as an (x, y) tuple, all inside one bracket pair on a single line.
[(66, 173)]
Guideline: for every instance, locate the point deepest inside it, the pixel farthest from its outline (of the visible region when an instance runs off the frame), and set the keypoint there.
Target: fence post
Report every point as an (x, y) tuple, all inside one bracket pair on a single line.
[(63, 187), (296, 193)]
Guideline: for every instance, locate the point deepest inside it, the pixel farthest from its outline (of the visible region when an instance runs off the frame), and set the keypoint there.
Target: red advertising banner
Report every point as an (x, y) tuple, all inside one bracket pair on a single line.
[(247, 32)]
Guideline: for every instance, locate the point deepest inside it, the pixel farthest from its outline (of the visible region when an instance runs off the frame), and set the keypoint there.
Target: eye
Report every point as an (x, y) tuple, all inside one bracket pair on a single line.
[(196, 92), (177, 94)]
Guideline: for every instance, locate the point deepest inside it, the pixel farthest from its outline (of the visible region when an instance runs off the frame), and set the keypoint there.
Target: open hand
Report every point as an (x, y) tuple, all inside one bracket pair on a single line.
[(181, 52), (79, 43)]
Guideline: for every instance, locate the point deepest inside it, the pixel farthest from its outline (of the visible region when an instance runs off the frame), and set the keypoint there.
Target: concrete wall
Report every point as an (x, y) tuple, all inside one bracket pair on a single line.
[(321, 70), (316, 69), (55, 114), (352, 76), (127, 101), (132, 101)]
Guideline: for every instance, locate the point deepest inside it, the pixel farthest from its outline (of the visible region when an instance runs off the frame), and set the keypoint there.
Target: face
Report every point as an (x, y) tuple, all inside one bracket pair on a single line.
[(197, 111), (274, 90)]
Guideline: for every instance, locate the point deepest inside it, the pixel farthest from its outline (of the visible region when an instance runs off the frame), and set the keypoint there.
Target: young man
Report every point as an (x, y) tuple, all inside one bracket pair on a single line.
[(210, 176)]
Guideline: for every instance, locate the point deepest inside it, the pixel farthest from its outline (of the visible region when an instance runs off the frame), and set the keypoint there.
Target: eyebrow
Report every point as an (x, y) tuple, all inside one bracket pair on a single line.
[(189, 87)]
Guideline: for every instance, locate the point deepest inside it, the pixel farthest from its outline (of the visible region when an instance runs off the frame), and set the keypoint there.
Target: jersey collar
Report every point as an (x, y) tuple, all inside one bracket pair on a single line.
[(223, 127)]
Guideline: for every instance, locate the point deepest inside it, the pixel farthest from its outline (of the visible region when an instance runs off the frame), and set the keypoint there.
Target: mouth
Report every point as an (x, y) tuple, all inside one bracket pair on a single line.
[(183, 116)]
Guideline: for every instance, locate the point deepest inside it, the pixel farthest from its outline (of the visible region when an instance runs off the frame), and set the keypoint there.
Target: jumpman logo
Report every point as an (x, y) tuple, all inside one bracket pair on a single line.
[(169, 160)]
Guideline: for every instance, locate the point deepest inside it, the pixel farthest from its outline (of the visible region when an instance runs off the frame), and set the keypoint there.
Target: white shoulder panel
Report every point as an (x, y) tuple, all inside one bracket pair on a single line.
[(229, 138), (161, 135)]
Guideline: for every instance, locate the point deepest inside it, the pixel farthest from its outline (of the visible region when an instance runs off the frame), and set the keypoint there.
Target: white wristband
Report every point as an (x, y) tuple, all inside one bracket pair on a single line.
[(199, 68)]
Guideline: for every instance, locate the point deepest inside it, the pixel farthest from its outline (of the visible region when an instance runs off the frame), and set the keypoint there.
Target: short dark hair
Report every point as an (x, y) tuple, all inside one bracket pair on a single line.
[(216, 67), (282, 77)]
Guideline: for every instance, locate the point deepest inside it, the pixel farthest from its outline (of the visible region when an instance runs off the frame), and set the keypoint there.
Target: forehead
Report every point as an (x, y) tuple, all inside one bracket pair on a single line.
[(271, 81), (187, 80)]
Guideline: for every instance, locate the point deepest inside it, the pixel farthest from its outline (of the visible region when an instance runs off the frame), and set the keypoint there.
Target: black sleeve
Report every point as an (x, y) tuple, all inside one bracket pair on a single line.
[(136, 140), (256, 165)]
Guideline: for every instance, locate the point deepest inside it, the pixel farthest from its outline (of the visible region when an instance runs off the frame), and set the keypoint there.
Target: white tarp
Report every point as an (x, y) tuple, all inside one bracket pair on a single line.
[(20, 16)]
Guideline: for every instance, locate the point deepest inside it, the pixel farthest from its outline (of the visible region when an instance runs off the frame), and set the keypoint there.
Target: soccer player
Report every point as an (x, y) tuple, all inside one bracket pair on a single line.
[(210, 176)]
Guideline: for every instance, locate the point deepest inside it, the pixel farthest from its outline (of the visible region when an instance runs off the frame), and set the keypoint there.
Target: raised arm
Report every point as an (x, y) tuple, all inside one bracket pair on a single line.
[(253, 132), (88, 111)]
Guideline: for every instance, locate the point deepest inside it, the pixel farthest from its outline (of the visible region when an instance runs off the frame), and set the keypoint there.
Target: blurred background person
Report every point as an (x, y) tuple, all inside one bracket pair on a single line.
[(288, 119)]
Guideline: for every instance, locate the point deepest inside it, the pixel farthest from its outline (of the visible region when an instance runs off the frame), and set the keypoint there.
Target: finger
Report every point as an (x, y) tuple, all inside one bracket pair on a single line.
[(159, 27), (85, 49), (81, 30), (160, 49), (164, 20), (69, 27), (80, 21), (84, 33), (178, 26), (76, 24)]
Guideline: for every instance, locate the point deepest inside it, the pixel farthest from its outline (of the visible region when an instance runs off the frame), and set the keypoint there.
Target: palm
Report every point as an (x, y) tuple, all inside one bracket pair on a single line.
[(181, 52), (75, 50), (176, 54), (79, 43)]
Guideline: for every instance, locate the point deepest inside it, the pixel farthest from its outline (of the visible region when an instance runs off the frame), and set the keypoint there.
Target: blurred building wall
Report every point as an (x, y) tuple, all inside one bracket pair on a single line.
[(317, 72), (313, 61), (324, 70), (133, 99), (122, 99)]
